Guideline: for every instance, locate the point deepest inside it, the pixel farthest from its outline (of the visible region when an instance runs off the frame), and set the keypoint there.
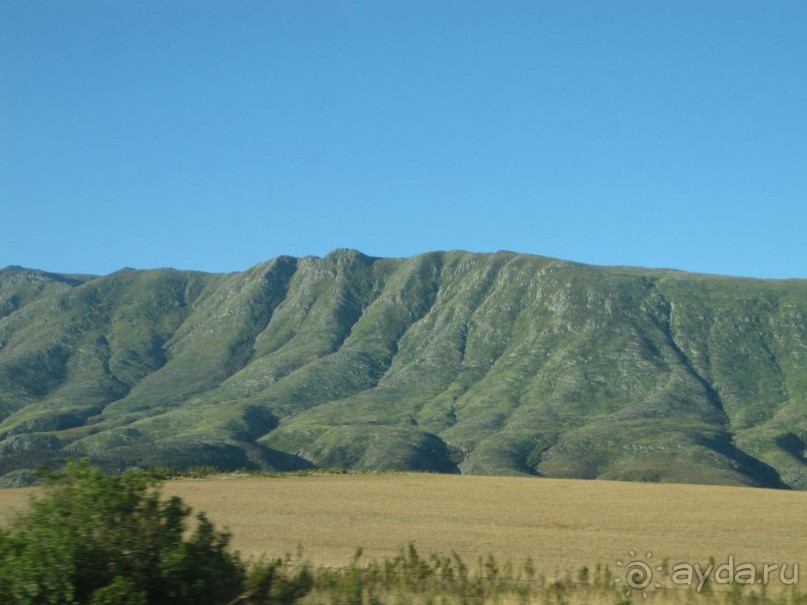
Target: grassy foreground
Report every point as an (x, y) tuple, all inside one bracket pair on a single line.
[(539, 533)]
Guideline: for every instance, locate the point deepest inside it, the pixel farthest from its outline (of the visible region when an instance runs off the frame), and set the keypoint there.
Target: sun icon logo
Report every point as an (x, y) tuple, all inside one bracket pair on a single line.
[(638, 575)]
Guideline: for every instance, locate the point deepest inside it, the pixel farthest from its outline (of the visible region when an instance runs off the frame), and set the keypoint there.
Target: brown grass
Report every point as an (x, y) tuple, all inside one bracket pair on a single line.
[(561, 524)]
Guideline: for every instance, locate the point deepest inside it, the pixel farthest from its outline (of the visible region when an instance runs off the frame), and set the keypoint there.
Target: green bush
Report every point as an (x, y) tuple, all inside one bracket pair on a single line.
[(96, 539)]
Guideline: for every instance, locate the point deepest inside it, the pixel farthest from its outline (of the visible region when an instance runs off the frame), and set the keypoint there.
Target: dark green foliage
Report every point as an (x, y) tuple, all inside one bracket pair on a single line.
[(277, 584), (449, 361), (111, 540)]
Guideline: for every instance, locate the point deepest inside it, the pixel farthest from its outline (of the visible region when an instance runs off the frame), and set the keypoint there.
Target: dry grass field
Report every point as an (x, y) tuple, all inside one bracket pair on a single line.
[(561, 524)]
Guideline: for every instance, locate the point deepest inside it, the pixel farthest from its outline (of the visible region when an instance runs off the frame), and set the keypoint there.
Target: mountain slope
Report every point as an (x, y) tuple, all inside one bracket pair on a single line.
[(448, 361)]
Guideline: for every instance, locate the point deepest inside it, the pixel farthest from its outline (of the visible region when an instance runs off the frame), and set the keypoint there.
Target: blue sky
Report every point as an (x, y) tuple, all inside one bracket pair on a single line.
[(215, 135)]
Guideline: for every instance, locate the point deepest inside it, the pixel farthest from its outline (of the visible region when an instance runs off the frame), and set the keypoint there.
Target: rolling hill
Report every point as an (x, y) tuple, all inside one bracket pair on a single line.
[(448, 361)]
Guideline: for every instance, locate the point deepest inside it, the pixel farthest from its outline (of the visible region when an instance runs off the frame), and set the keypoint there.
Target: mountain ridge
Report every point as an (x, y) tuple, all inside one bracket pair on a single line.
[(452, 361)]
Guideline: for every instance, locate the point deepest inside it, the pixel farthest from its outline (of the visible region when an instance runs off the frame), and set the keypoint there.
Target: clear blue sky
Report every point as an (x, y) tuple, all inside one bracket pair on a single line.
[(215, 135)]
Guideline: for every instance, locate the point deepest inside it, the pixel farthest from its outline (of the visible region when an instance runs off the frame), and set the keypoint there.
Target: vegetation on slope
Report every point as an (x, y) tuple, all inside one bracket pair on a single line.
[(449, 361)]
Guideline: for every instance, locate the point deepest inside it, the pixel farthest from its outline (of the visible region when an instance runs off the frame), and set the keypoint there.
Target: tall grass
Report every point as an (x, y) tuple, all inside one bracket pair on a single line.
[(409, 578)]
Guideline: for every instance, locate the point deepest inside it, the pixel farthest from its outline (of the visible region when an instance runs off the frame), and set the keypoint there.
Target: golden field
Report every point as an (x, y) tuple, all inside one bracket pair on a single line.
[(561, 524)]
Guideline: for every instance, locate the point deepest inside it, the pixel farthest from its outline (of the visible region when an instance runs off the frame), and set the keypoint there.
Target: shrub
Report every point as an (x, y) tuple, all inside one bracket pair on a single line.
[(96, 539)]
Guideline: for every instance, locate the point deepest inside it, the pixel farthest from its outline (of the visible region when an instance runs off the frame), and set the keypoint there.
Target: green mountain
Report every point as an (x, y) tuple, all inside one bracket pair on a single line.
[(449, 361)]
